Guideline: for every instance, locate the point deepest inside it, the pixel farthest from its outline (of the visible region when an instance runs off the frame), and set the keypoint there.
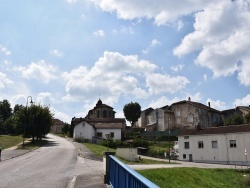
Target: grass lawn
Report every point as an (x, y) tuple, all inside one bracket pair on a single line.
[(98, 150), (197, 177), (7, 141)]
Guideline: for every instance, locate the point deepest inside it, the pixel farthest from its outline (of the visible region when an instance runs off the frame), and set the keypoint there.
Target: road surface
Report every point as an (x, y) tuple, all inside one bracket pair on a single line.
[(54, 165)]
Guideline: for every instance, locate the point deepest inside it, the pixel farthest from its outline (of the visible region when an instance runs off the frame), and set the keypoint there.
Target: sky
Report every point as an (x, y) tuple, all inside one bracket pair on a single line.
[(66, 54)]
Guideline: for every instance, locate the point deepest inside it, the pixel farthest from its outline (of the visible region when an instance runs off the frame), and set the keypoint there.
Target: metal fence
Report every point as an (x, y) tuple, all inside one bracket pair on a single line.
[(122, 176)]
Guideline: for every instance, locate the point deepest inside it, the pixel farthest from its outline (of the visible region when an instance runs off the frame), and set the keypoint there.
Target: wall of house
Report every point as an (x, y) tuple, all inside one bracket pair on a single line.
[(223, 154), (56, 128), (117, 133), (189, 116), (129, 154), (186, 116), (83, 131), (102, 112)]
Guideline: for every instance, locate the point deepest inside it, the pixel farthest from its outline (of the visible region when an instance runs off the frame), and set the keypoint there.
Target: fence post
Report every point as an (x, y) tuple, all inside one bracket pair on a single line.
[(106, 165)]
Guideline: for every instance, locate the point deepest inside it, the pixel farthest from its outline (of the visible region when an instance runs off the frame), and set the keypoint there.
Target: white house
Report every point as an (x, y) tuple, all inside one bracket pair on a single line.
[(99, 122), (90, 129), (225, 145), (84, 131)]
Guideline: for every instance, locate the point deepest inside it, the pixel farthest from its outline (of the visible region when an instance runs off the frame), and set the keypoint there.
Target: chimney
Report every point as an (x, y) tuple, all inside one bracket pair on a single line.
[(189, 99), (209, 104)]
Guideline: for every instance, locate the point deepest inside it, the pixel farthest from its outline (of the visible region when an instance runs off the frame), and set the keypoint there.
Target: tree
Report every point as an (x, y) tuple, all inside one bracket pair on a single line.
[(65, 128), (39, 121), (132, 112), (247, 118), (17, 107), (5, 110), (235, 119), (5, 113)]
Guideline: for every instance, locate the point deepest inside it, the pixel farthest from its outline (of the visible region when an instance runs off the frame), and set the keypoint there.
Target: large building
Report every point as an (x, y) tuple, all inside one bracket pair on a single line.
[(57, 126), (224, 144), (184, 114), (99, 122)]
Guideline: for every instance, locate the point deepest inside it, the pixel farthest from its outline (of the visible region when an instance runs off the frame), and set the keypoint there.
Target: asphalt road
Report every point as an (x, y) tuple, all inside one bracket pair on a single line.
[(54, 165)]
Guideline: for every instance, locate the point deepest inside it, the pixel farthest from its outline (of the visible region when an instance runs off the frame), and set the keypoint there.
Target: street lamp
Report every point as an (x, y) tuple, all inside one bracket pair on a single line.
[(169, 139), (31, 102), (107, 136)]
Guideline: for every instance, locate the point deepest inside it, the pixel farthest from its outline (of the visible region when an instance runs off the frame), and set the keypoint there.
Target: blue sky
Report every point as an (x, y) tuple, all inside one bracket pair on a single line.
[(69, 53)]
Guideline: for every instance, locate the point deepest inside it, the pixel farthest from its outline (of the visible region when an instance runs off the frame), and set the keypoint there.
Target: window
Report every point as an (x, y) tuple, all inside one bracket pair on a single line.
[(214, 144), (104, 113), (184, 156), (186, 145), (99, 134), (191, 118), (178, 112), (112, 134), (200, 144), (186, 137), (232, 143)]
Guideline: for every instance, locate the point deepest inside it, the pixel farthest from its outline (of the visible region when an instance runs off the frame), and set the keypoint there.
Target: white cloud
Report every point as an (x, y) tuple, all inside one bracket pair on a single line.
[(153, 43), (45, 98), (158, 83), (180, 24), (245, 101), (4, 50), (38, 71), (218, 105), (163, 101), (205, 77), (56, 52), (4, 81), (196, 97), (140, 93), (129, 30), (61, 115), (221, 36), (161, 11), (177, 68), (99, 33), (244, 72), (113, 74), (71, 1)]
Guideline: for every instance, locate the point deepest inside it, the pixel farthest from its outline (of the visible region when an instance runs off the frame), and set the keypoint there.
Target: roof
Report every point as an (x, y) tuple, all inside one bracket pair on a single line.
[(199, 105), (57, 122), (112, 123), (217, 130), (148, 110), (108, 125)]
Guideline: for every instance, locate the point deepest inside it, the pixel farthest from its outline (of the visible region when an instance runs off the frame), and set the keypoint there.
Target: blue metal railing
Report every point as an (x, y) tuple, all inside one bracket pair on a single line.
[(122, 176)]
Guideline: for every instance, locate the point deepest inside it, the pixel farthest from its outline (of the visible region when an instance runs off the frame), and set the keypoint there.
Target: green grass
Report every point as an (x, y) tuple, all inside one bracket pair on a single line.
[(197, 178), (7, 141), (97, 149)]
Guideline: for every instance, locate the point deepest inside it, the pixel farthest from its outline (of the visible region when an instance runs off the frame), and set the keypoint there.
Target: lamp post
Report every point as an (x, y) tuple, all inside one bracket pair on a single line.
[(31, 102), (107, 136), (169, 139)]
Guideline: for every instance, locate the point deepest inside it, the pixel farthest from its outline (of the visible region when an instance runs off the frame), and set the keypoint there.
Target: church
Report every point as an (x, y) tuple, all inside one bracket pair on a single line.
[(99, 122)]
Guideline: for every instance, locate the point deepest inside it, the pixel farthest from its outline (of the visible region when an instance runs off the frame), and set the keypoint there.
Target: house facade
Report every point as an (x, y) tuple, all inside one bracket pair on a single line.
[(184, 114), (223, 145), (189, 114), (57, 126), (99, 122)]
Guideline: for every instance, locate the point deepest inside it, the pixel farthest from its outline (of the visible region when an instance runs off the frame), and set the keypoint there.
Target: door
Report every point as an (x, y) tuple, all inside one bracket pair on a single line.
[(190, 158)]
